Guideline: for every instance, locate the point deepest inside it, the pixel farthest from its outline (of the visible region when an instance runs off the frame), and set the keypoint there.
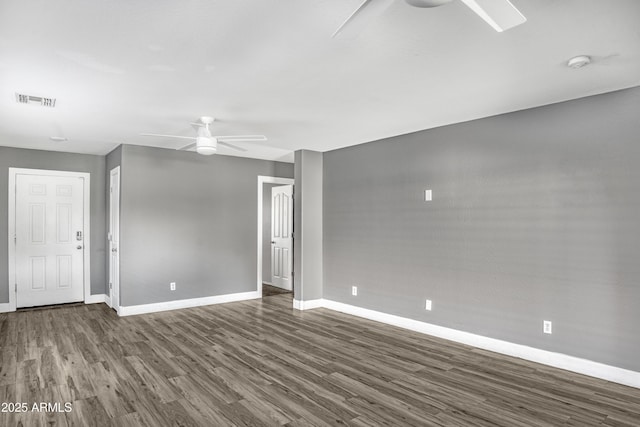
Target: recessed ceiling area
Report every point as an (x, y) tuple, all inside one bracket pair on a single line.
[(270, 67)]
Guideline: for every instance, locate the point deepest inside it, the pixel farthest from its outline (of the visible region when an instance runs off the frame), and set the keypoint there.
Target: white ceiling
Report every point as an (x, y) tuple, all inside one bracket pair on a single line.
[(119, 68)]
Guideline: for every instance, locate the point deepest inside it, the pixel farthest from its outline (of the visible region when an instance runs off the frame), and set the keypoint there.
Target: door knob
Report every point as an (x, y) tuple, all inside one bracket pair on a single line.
[(114, 250), (273, 242), (79, 247)]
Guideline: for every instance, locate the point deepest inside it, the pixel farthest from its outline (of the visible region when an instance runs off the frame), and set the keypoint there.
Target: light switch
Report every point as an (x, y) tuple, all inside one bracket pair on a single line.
[(427, 195)]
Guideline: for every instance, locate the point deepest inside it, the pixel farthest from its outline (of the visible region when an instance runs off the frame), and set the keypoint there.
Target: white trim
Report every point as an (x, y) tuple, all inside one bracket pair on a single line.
[(116, 286), (186, 303), (265, 180), (545, 357), (86, 176), (97, 298), (11, 260), (5, 307), (264, 282), (308, 305)]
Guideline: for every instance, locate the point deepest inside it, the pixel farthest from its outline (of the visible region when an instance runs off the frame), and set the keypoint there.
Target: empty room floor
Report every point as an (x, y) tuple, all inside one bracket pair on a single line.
[(262, 363)]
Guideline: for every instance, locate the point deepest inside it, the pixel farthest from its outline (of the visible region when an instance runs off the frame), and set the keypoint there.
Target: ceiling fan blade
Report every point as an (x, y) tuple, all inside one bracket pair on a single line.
[(500, 14), (167, 136), (240, 138), (188, 146), (363, 15), (235, 147)]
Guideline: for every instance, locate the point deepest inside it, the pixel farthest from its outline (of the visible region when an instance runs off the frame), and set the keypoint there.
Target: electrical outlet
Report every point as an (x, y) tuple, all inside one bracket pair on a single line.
[(427, 305), (354, 291), (172, 286), (546, 326)]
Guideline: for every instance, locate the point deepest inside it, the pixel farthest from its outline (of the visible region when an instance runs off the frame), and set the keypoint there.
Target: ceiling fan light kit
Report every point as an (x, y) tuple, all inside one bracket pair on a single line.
[(206, 146)]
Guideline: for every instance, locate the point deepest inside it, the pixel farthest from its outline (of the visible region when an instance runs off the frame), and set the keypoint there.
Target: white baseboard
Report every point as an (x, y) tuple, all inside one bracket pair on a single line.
[(264, 282), (94, 299), (186, 303), (91, 299), (308, 305), (557, 360)]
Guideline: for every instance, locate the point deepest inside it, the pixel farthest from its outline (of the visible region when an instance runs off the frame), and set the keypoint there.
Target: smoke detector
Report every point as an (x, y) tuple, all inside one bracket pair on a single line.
[(22, 98), (579, 61)]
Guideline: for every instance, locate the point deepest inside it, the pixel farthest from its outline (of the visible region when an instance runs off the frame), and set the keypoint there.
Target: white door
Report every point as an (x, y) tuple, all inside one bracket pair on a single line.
[(281, 236), (114, 238), (49, 240)]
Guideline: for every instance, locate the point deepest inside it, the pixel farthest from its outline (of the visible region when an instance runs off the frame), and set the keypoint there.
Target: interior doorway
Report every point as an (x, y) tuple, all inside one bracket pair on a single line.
[(265, 247)]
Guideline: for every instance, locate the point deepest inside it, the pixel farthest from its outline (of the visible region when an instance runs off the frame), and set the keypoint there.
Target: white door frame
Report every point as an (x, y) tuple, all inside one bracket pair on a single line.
[(265, 180), (13, 172), (116, 286)]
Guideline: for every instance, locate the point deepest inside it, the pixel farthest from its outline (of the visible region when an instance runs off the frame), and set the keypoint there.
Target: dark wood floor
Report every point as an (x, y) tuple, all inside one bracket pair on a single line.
[(262, 363), (269, 291)]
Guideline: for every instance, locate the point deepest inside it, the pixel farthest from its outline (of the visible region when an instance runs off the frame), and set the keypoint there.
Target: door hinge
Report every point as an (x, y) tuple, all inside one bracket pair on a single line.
[(111, 189), (16, 288), (110, 286)]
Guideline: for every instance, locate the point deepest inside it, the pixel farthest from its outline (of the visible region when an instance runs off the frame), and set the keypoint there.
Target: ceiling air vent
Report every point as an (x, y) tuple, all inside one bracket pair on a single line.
[(35, 100)]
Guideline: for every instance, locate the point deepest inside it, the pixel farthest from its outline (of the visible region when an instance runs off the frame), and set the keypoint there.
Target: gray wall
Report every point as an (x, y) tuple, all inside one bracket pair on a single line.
[(535, 216), (190, 219), (307, 220), (113, 159), (36, 159)]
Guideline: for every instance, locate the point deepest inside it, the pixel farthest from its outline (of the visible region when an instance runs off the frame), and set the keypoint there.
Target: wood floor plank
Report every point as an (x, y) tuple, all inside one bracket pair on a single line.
[(201, 399), (260, 362), (57, 416), (8, 367), (114, 402), (130, 420), (75, 371), (88, 412), (153, 380), (267, 413)]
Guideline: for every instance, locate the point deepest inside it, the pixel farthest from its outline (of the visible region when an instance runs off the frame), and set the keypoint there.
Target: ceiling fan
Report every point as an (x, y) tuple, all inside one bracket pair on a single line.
[(207, 144), (500, 14)]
